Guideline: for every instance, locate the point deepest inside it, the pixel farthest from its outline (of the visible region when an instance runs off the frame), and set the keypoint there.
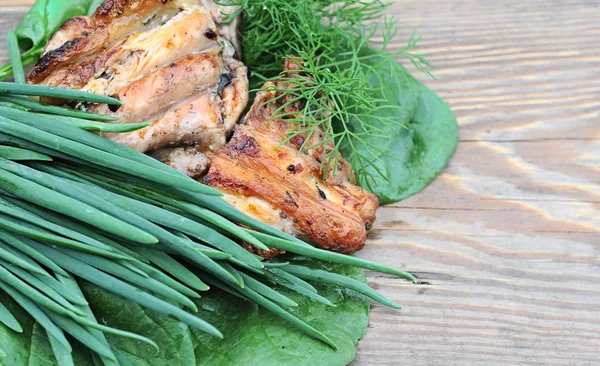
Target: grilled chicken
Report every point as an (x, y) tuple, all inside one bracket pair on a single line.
[(176, 64), (285, 187), (172, 63)]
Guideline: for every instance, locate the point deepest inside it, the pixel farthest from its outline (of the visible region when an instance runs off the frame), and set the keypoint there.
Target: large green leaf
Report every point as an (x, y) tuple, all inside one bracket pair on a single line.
[(422, 151), (253, 336), (407, 155), (44, 18)]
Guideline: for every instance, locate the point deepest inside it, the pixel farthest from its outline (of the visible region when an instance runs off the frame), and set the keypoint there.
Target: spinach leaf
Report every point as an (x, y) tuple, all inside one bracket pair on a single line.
[(254, 336), (42, 20), (406, 156), (424, 149), (31, 347)]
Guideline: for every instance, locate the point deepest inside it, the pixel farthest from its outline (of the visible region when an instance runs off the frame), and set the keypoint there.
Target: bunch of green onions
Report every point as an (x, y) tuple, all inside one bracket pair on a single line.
[(74, 205)]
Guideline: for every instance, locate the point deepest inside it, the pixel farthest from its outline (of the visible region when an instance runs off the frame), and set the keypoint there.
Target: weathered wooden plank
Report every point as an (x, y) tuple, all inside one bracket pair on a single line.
[(507, 240)]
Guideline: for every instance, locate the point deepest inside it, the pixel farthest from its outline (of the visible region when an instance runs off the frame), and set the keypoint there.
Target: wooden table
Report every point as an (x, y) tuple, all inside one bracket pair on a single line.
[(507, 240)]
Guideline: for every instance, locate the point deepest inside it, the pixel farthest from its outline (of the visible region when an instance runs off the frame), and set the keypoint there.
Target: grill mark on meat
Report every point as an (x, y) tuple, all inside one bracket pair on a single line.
[(114, 107), (321, 193), (210, 34), (112, 7), (52, 58), (291, 199), (245, 145), (224, 81), (72, 28), (297, 141)]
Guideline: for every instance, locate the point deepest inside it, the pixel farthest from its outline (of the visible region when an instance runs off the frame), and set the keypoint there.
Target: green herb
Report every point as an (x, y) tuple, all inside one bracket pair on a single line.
[(15, 153), (350, 86), (15, 57), (48, 108), (38, 25), (48, 91), (30, 347)]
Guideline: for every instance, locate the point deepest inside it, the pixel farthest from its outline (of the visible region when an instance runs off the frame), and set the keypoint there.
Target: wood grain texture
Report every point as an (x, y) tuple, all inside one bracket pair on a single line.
[(507, 240)]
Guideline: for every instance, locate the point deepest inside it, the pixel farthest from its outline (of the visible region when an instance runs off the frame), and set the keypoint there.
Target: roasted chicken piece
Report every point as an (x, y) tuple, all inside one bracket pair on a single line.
[(284, 187), (175, 64), (172, 63)]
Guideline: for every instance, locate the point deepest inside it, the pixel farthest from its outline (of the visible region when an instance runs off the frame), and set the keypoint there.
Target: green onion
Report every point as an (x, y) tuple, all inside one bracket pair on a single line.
[(81, 334), (8, 208), (174, 268), (248, 293), (123, 289), (72, 285), (42, 287), (61, 93), (61, 353), (297, 288), (15, 58), (329, 256), (53, 109), (102, 127), (160, 276), (117, 270), (9, 320), (30, 231), (31, 191), (27, 290), (166, 238), (15, 153), (267, 292), (24, 144), (54, 284), (5, 253), (37, 314), (20, 244), (64, 221), (339, 280), (93, 155)]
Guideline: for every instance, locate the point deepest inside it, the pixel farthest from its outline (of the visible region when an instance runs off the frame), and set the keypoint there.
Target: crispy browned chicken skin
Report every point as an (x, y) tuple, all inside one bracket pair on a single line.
[(285, 187)]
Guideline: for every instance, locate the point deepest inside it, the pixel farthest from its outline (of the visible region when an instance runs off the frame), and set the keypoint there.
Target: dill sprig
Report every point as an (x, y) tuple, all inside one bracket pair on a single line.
[(339, 48)]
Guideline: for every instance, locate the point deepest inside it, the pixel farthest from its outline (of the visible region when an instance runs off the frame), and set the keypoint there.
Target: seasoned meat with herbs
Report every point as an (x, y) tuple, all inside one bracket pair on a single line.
[(284, 187), (172, 63), (176, 65)]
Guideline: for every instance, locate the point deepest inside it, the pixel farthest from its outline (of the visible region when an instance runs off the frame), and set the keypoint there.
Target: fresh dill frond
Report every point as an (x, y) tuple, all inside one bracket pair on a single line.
[(339, 48)]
